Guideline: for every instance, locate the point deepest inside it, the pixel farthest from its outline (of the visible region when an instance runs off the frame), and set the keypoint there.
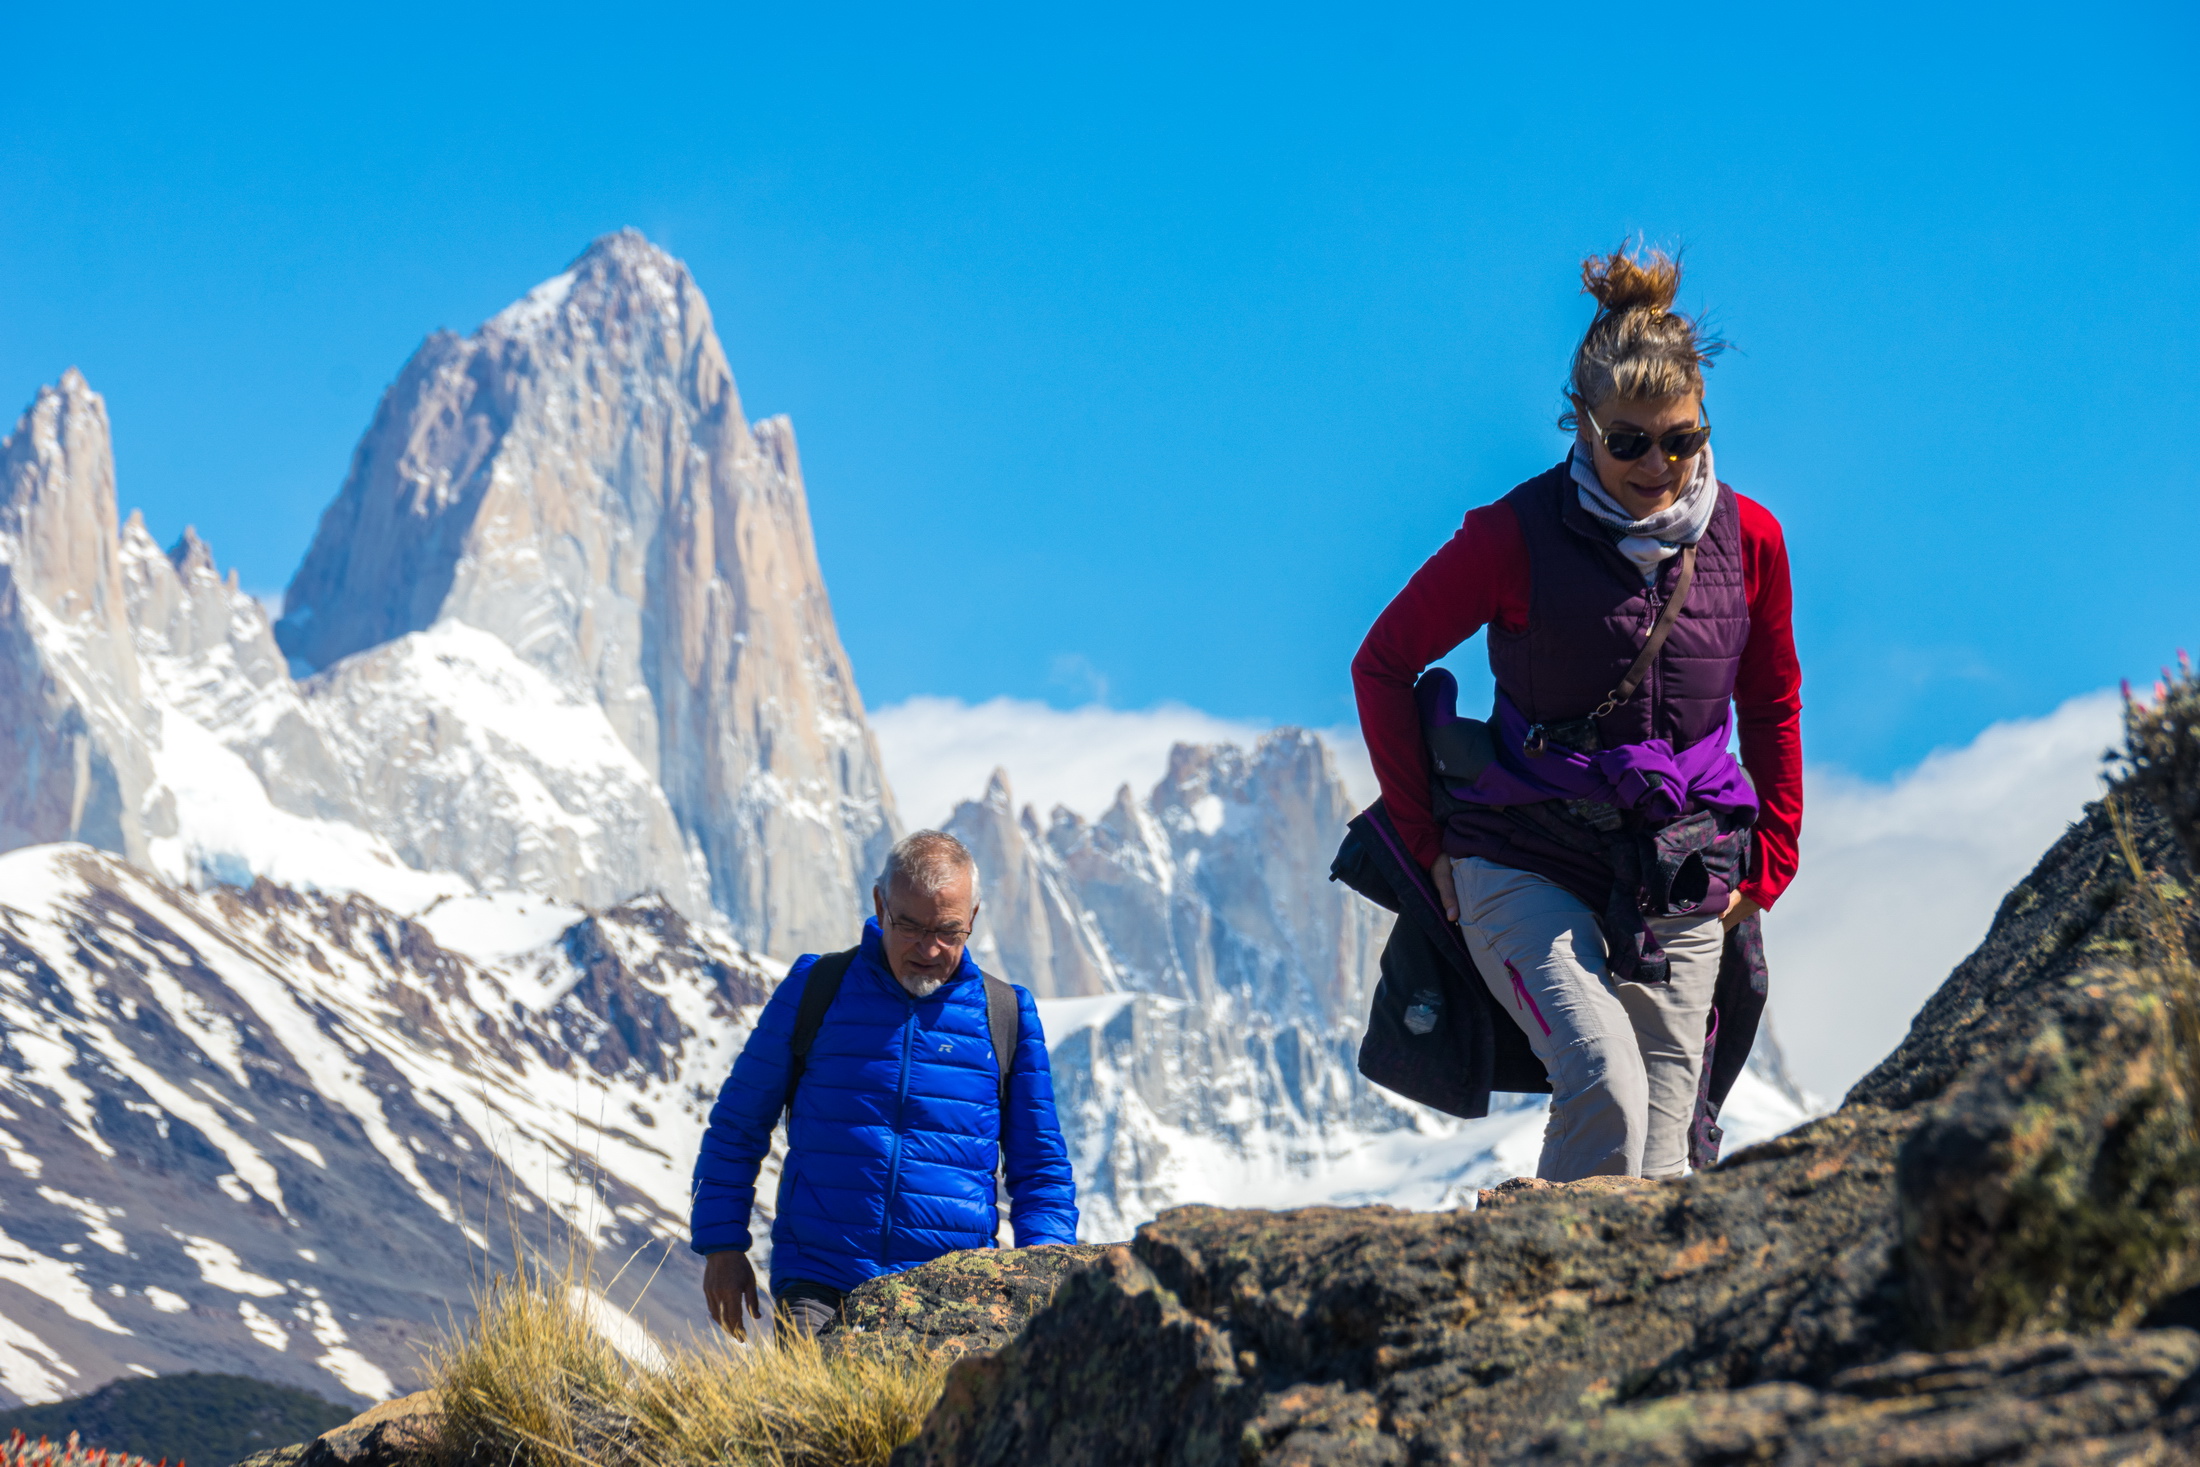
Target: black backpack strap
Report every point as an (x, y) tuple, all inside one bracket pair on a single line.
[(1006, 1026), (820, 985)]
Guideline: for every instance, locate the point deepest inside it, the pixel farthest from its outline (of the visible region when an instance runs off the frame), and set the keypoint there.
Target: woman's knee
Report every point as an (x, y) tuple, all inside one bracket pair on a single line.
[(1605, 1065), (1600, 1128)]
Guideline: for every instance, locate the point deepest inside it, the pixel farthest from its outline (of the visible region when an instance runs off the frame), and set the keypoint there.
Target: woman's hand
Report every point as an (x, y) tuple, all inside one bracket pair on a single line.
[(1739, 909), (1447, 890)]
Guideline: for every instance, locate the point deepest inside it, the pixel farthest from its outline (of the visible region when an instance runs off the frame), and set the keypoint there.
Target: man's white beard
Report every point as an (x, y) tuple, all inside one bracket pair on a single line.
[(920, 987)]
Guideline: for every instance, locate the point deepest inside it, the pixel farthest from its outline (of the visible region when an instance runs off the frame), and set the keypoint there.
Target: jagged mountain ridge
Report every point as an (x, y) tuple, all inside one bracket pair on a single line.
[(1216, 884), (1227, 1064)]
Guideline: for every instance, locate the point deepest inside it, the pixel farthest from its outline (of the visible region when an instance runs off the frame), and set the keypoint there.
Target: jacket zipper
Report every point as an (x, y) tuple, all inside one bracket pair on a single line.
[(901, 1105)]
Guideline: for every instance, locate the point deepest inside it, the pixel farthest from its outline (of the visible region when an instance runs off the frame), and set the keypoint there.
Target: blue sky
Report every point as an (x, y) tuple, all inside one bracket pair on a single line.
[(1151, 349)]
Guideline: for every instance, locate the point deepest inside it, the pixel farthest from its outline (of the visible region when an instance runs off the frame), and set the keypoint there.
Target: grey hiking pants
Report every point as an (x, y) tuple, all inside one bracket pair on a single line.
[(1625, 1059)]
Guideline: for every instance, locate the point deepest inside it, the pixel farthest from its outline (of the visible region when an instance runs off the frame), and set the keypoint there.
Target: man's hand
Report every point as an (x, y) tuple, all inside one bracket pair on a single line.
[(729, 1286), (1739, 909), (1447, 890)]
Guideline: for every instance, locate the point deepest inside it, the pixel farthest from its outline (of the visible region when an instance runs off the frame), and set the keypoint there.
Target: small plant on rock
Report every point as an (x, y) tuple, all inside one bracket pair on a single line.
[(20, 1451), (2162, 751), (2161, 763)]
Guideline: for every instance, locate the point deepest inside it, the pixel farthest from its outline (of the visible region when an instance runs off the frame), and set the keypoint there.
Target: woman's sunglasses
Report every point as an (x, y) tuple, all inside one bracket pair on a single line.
[(1629, 444)]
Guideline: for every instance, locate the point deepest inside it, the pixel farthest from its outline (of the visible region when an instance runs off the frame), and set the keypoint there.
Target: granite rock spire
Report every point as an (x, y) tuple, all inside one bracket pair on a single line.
[(576, 479)]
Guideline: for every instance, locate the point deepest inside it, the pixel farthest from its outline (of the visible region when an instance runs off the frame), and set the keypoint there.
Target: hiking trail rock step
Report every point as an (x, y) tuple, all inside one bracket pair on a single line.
[(1961, 1265), (393, 1434)]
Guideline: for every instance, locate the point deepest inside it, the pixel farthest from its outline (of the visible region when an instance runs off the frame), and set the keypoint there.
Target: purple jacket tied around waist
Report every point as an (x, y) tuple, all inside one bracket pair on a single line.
[(1648, 778), (1637, 831)]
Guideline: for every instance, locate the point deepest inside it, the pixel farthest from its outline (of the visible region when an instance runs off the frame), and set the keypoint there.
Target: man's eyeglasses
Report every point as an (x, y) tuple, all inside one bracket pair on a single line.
[(1629, 444), (950, 935)]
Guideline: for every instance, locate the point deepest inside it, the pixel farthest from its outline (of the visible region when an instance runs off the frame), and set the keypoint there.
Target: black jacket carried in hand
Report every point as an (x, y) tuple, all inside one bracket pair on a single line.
[(1435, 1035)]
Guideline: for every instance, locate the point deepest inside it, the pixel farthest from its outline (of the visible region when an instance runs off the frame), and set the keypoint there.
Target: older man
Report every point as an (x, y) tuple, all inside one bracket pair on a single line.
[(906, 1074)]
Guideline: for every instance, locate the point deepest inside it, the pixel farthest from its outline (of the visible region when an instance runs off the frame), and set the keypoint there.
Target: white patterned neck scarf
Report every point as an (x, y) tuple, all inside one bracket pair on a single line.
[(1649, 543)]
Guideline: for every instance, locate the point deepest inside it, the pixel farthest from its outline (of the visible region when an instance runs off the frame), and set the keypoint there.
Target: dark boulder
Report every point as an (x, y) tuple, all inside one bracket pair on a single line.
[(2055, 1398)]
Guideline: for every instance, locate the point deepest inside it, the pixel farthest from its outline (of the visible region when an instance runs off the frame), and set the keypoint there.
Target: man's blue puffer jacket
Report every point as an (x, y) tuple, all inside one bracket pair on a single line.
[(892, 1137)]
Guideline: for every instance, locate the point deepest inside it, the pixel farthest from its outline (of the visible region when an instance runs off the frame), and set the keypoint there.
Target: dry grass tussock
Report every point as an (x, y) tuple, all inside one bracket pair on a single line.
[(530, 1383)]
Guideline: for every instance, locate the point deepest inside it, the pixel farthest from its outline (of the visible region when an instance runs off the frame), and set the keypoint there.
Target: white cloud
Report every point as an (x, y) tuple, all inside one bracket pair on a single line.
[(941, 751), (1900, 879)]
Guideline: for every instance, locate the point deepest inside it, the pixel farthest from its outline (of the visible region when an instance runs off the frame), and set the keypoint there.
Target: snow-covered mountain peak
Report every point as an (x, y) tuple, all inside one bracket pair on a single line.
[(575, 480), (622, 284), (563, 630)]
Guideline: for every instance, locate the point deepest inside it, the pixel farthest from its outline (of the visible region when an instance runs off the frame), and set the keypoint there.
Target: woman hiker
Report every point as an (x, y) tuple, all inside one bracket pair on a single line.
[(1595, 840)]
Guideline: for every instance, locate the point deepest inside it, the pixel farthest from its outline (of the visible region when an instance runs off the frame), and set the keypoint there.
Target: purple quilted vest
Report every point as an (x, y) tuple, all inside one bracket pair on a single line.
[(1589, 614)]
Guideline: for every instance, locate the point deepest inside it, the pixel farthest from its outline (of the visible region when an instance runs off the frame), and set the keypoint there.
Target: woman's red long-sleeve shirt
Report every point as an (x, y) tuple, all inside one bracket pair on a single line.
[(1480, 576)]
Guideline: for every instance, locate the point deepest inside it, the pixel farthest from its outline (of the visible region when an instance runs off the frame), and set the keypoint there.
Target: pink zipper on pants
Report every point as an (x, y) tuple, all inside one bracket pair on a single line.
[(1527, 999)]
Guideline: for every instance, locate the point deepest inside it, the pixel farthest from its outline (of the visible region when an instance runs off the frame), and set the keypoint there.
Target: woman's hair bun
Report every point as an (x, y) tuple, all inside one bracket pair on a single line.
[(1638, 346), (1626, 281)]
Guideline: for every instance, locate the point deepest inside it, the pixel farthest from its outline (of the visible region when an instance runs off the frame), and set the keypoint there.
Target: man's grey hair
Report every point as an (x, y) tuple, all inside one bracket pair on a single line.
[(927, 860)]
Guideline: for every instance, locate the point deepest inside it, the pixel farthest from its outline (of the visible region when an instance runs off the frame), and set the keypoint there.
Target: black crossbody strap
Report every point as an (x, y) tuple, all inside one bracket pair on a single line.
[(1005, 1026), (1658, 633), (820, 985)]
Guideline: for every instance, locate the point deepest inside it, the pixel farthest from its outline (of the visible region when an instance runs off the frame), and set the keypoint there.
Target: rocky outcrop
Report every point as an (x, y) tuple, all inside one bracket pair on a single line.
[(577, 481), (976, 1300), (392, 1433), (620, 1017), (2021, 1171), (2049, 1399)]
